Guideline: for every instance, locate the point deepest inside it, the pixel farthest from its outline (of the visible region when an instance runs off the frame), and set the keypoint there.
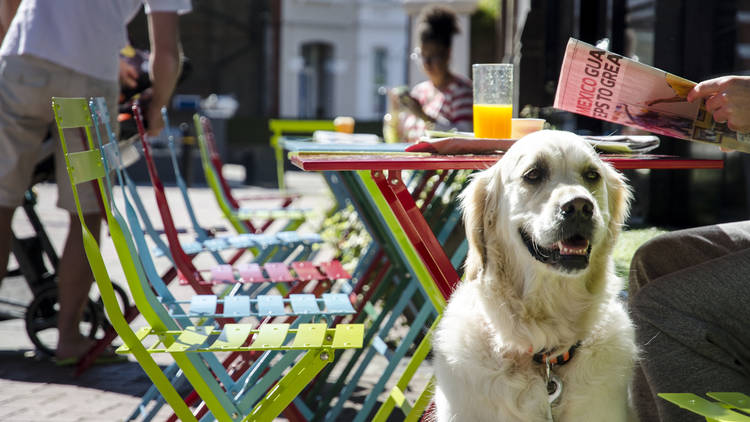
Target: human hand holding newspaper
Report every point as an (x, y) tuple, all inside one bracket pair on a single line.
[(727, 98)]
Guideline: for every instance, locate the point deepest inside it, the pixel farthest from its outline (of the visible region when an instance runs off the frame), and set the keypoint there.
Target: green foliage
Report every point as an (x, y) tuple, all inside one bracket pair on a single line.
[(628, 242), (484, 33), (490, 8), (345, 231)]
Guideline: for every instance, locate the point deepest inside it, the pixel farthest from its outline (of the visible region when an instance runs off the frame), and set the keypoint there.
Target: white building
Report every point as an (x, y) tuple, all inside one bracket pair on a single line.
[(337, 57)]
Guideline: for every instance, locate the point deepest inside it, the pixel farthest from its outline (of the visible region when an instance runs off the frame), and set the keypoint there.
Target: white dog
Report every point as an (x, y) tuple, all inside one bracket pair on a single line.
[(535, 332)]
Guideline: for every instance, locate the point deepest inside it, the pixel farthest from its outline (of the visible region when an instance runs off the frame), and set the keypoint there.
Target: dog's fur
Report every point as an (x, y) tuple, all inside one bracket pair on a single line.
[(552, 186)]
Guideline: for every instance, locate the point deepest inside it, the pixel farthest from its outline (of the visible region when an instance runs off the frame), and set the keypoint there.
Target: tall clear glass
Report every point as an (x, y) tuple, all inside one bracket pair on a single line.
[(493, 100)]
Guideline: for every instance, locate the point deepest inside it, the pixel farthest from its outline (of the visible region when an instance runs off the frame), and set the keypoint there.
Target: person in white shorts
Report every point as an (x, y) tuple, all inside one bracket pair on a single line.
[(70, 49)]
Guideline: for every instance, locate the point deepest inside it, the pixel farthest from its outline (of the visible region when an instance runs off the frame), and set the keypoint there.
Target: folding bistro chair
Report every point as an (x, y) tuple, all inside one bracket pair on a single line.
[(298, 274), (275, 244), (388, 298), (395, 297), (241, 218), (279, 127), (296, 271), (208, 306), (728, 407), (83, 167), (315, 341)]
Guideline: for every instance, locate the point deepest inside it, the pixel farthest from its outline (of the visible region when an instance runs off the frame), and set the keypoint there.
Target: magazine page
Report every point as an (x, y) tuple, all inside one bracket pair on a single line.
[(604, 85)]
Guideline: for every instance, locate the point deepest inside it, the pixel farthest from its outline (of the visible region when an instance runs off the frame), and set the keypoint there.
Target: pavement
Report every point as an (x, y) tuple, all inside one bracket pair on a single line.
[(32, 387)]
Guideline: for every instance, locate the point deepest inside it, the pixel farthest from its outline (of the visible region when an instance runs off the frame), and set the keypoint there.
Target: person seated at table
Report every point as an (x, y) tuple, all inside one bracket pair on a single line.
[(444, 101), (689, 293)]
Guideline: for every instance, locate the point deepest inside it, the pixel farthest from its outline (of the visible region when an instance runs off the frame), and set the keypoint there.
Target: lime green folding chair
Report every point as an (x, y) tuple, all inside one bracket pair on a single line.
[(240, 217), (280, 127), (83, 167), (728, 407), (315, 342)]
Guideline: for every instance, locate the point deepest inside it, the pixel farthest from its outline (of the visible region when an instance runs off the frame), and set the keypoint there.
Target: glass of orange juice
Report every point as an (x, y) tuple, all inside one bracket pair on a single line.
[(344, 124), (493, 100)]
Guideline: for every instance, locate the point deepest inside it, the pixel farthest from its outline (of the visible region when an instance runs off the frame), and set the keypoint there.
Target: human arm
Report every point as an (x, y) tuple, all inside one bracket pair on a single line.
[(405, 99), (8, 9), (128, 74), (413, 103), (437, 123), (727, 98), (164, 64)]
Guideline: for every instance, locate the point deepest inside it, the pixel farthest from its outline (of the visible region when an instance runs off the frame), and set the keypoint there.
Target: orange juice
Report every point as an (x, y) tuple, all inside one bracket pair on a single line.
[(492, 120), (344, 124)]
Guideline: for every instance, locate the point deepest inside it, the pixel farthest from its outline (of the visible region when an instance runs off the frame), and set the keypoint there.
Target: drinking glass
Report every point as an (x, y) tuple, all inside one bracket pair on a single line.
[(493, 100), (344, 124)]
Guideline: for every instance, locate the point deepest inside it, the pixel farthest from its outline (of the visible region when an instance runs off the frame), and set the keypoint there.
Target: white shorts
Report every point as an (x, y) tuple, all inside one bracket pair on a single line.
[(27, 84)]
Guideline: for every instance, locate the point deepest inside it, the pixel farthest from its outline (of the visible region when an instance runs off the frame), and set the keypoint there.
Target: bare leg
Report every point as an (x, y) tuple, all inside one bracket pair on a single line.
[(74, 281), (6, 216)]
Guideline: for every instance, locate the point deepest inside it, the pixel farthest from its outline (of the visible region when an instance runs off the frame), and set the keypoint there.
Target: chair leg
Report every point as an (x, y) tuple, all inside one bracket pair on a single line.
[(289, 387), (279, 163)]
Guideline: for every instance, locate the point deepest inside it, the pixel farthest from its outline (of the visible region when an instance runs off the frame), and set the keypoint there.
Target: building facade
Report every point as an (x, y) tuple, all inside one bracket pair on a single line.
[(339, 57)]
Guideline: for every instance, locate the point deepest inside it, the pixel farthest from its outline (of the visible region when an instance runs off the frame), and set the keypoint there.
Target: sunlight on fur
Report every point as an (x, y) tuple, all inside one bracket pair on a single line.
[(539, 276)]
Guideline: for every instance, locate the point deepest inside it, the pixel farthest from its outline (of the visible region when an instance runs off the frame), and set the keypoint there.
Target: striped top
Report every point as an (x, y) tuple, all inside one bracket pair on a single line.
[(451, 107)]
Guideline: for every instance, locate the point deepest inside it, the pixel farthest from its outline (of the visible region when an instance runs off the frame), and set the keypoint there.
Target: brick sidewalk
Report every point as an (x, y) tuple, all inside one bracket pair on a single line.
[(35, 390)]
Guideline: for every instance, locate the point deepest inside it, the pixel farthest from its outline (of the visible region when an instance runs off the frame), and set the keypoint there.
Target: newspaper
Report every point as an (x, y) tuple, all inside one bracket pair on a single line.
[(601, 84)]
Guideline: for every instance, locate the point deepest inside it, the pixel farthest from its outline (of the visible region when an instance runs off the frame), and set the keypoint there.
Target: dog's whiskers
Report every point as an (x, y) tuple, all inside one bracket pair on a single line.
[(540, 252)]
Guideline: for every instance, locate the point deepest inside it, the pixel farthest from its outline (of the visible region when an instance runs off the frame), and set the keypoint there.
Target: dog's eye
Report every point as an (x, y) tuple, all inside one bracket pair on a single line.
[(533, 175), (591, 175)]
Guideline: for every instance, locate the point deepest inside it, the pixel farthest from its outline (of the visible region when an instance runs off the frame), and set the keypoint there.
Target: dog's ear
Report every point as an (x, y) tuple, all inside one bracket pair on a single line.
[(619, 198), (479, 218)]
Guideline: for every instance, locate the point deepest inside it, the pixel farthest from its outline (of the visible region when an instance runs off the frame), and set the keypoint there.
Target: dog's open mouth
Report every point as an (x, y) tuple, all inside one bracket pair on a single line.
[(571, 253)]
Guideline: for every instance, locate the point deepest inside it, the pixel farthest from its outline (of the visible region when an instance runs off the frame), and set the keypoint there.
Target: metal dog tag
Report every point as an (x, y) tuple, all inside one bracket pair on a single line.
[(554, 388)]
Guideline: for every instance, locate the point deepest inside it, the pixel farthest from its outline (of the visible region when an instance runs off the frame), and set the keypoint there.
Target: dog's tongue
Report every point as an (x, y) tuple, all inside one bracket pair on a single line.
[(576, 245)]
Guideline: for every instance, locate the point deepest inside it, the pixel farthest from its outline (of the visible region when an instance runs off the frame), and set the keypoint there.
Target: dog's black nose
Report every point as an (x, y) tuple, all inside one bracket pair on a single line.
[(578, 206)]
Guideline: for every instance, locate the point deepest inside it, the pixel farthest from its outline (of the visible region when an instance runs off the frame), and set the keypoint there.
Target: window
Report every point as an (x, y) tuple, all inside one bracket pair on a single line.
[(315, 81)]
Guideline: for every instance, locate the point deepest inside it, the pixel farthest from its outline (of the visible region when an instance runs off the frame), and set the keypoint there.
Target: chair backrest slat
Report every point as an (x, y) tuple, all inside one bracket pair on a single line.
[(72, 112), (85, 166)]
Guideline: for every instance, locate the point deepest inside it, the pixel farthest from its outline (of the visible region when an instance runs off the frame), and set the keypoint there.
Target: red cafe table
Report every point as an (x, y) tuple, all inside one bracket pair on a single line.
[(381, 172)]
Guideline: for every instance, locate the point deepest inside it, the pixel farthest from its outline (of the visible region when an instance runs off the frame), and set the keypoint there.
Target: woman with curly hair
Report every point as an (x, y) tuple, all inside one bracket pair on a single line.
[(444, 101)]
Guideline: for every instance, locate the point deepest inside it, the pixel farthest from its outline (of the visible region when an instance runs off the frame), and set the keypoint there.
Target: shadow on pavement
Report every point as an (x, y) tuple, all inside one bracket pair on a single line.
[(123, 378)]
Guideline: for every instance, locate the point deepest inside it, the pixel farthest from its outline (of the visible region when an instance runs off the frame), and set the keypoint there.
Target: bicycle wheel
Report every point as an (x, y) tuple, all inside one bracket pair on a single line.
[(41, 320), (122, 299)]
